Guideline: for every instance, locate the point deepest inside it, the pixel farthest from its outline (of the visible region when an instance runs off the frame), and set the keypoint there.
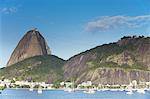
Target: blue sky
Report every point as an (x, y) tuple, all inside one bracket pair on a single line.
[(71, 26)]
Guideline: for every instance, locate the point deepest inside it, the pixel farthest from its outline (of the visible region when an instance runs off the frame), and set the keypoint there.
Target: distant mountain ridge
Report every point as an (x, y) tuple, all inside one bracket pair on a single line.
[(114, 63)]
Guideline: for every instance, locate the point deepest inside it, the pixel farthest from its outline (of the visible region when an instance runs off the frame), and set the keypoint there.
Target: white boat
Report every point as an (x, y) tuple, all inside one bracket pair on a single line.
[(99, 89), (129, 89), (121, 89), (114, 89), (129, 92), (39, 91), (72, 89), (142, 91), (89, 91), (31, 88), (69, 90), (105, 89)]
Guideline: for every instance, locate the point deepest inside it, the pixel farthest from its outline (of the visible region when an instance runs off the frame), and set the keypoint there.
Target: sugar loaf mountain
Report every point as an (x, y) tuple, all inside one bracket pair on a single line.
[(119, 62)]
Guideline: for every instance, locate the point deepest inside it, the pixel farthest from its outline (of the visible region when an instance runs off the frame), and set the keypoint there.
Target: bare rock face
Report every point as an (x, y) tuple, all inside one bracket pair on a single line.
[(32, 44), (115, 63), (113, 76), (77, 65)]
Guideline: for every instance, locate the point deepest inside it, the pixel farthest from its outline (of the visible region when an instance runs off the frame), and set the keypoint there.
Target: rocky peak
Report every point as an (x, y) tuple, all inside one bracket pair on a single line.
[(32, 44)]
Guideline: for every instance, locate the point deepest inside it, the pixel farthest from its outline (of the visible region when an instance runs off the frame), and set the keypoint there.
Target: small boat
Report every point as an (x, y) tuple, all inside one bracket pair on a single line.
[(90, 91), (70, 90), (114, 89), (39, 91), (130, 92), (31, 89), (129, 89), (99, 89), (142, 91), (105, 89)]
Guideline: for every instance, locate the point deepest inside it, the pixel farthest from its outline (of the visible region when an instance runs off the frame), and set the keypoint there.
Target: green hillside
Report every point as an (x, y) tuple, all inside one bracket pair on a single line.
[(39, 68), (125, 60), (131, 52), (114, 63)]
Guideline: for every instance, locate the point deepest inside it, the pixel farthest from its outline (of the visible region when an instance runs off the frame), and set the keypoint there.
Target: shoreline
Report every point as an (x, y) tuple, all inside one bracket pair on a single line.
[(63, 89)]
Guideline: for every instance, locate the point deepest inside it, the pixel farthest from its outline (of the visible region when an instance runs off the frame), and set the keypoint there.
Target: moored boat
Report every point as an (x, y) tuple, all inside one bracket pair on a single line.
[(142, 91), (130, 92), (39, 91), (89, 91), (31, 89)]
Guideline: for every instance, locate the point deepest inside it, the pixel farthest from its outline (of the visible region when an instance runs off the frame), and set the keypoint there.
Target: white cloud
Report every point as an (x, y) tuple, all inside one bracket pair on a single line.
[(8, 10), (115, 22)]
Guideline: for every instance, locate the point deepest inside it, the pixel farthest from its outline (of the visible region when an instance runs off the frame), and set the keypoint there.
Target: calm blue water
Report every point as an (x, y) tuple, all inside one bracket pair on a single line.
[(59, 94)]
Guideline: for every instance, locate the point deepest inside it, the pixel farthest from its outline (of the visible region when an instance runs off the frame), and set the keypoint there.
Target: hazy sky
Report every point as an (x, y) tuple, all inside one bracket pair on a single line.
[(71, 26)]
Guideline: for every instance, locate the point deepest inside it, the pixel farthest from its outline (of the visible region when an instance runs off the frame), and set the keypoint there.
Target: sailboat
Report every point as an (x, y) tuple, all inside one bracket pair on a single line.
[(39, 90), (31, 88), (72, 89), (129, 89)]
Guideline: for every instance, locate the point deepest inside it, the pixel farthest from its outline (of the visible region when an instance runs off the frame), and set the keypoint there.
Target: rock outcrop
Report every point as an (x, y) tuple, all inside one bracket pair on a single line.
[(115, 63), (32, 44), (114, 76)]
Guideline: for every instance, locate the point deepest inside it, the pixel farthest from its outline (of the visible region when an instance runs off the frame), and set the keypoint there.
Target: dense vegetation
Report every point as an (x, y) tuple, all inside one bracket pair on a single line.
[(128, 53), (129, 44), (38, 68)]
